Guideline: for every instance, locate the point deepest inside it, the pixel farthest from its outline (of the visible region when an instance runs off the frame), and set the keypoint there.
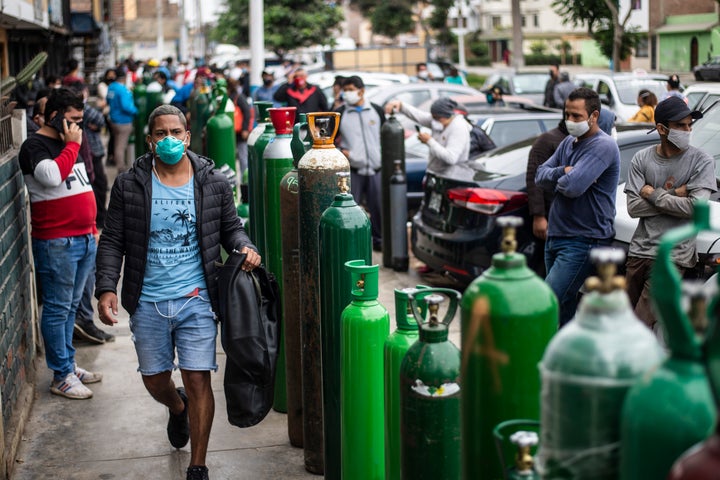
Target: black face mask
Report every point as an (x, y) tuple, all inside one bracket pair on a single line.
[(267, 82)]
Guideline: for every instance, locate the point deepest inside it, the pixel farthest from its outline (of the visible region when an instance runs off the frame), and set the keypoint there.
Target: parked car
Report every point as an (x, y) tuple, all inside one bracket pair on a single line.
[(529, 85), (702, 95), (416, 94), (514, 127), (455, 231), (619, 91), (325, 80), (709, 70)]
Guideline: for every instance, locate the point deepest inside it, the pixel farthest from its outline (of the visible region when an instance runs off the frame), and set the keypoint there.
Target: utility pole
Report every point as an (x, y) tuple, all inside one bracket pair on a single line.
[(160, 34), (257, 43)]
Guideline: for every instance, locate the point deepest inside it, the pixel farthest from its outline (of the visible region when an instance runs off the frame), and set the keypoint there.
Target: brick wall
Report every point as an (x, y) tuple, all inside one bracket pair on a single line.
[(17, 338)]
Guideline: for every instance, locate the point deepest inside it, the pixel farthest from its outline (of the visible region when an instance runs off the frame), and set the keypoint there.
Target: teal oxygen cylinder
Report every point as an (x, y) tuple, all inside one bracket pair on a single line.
[(344, 236), (430, 394), (586, 372), (257, 141), (678, 392), (365, 326)]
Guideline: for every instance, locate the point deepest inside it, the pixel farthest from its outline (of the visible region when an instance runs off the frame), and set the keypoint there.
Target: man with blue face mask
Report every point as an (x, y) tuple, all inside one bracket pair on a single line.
[(167, 219), (663, 183), (583, 173)]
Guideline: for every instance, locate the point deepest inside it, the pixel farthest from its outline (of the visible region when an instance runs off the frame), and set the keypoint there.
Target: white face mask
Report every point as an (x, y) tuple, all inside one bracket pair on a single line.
[(577, 129), (351, 97), (423, 74), (679, 138), (437, 126)]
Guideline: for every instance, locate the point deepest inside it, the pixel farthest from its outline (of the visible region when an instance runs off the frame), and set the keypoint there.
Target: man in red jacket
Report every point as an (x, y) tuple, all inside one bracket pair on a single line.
[(64, 234), (300, 94)]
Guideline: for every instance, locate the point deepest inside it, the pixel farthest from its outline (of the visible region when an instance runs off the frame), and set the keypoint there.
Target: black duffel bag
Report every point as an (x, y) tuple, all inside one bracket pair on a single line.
[(250, 334)]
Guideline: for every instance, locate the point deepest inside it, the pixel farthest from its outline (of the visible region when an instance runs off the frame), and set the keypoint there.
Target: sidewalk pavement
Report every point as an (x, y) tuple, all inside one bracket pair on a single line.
[(120, 432)]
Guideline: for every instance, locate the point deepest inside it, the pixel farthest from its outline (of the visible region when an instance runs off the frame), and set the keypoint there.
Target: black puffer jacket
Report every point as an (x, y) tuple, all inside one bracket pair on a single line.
[(127, 228)]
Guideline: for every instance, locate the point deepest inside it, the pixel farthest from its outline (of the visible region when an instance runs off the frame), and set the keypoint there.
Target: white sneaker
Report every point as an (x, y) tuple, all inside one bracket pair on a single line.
[(71, 387), (87, 377)]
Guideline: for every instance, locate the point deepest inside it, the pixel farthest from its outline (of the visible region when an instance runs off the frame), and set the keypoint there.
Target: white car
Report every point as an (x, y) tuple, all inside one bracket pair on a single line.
[(702, 95), (619, 91), (325, 80), (705, 135)]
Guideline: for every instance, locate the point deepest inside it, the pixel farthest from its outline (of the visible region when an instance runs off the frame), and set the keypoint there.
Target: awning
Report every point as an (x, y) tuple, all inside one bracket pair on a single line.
[(83, 23), (686, 27)]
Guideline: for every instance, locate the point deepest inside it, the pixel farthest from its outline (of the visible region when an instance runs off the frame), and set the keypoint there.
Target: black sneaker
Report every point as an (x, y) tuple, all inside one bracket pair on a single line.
[(178, 428), (86, 330), (198, 472)]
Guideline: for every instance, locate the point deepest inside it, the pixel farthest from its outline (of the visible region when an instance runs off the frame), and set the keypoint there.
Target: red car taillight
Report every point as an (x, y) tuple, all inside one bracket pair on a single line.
[(485, 200)]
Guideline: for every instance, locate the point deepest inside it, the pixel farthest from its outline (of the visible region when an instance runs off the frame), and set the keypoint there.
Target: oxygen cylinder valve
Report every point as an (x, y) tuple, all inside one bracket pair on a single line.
[(698, 296), (606, 260), (524, 461), (343, 181), (433, 305), (509, 225)]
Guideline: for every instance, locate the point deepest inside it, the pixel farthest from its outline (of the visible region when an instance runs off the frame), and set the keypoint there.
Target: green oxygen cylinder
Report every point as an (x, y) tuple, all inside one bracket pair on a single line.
[(221, 144), (317, 171), (257, 142), (396, 346), (289, 213), (678, 391), (430, 394), (523, 466), (503, 340), (392, 147), (586, 372), (365, 326), (277, 161), (344, 236), (200, 111), (140, 120)]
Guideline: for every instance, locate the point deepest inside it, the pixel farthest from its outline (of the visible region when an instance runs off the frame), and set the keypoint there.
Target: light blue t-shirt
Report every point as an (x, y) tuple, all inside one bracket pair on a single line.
[(174, 265)]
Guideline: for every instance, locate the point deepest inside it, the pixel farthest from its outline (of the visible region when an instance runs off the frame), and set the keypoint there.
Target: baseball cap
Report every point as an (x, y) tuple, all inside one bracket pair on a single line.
[(673, 109), (674, 81)]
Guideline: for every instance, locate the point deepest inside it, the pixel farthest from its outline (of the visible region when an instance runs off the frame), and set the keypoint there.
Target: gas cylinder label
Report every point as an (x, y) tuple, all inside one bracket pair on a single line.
[(444, 390)]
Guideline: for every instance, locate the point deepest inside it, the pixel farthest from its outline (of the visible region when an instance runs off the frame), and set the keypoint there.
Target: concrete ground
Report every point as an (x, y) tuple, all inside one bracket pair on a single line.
[(120, 432)]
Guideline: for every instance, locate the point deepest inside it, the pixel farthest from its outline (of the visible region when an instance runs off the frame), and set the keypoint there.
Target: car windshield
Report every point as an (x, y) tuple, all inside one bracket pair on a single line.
[(705, 135), (529, 83), (628, 88)]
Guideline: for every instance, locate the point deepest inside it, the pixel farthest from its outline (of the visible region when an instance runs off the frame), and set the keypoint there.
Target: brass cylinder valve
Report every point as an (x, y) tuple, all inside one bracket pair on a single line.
[(606, 260), (343, 178), (509, 225)]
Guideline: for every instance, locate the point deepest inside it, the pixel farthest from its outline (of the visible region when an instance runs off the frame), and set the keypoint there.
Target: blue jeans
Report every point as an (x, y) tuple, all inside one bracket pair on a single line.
[(62, 266), (568, 265), (85, 309)]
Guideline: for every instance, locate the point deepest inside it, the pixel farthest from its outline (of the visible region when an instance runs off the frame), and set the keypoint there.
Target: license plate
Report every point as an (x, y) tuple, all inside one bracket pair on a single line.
[(435, 201)]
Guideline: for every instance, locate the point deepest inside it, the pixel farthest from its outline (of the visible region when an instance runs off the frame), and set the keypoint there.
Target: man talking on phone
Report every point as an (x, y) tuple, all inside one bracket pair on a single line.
[(63, 209)]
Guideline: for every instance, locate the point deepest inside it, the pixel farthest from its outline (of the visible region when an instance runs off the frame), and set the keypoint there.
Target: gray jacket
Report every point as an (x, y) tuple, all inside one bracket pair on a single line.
[(360, 134)]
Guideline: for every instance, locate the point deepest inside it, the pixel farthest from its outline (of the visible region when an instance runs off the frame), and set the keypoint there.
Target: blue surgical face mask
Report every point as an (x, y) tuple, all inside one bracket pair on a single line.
[(170, 150)]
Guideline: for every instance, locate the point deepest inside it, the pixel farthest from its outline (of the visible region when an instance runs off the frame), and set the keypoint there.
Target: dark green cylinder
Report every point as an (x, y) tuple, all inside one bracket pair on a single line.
[(317, 171), (141, 118), (365, 326), (257, 142), (430, 395), (672, 408), (277, 162), (503, 340), (392, 145), (586, 372), (344, 236), (200, 111), (289, 212), (396, 346)]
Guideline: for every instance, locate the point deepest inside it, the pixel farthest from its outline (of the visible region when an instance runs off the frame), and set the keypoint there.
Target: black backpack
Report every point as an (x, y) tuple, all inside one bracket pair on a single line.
[(479, 141)]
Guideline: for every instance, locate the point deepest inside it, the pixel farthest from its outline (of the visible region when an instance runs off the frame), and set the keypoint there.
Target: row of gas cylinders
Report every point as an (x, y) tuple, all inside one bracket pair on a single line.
[(605, 398)]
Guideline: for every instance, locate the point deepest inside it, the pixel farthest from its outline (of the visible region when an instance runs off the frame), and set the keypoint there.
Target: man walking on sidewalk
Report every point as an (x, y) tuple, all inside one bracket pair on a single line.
[(167, 218)]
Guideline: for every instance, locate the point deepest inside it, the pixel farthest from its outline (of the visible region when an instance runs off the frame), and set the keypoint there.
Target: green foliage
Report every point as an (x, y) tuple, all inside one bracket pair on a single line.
[(475, 80), (538, 47), (289, 24), (596, 15), (392, 18)]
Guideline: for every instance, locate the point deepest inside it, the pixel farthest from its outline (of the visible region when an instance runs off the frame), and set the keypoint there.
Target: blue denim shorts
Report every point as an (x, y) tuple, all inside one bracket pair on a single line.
[(185, 324)]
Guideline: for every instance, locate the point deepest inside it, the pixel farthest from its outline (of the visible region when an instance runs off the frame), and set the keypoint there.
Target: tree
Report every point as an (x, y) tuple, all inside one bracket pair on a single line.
[(289, 24), (602, 18)]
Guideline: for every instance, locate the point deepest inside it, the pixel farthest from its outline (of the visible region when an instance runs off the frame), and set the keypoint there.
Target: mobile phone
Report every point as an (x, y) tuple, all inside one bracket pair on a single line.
[(417, 128), (57, 122)]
